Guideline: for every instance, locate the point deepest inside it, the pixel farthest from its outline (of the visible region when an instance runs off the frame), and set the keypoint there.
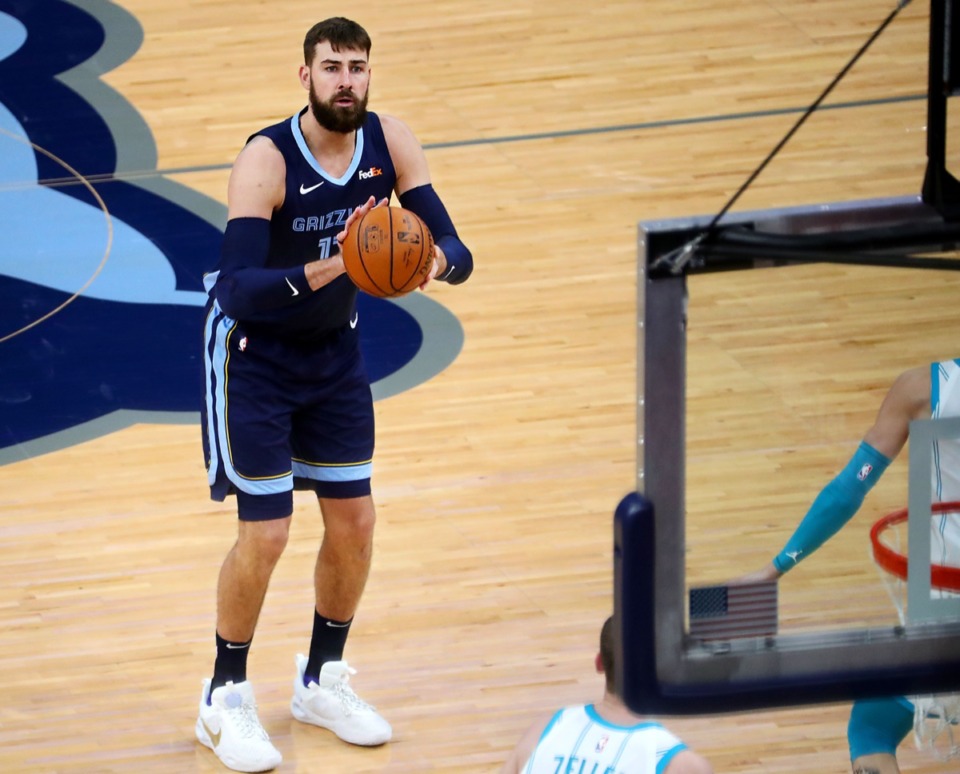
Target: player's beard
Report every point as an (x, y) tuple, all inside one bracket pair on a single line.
[(335, 118)]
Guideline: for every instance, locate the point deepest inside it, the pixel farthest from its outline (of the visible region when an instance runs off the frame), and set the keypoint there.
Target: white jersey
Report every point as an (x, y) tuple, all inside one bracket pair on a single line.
[(945, 402), (931, 710), (578, 741)]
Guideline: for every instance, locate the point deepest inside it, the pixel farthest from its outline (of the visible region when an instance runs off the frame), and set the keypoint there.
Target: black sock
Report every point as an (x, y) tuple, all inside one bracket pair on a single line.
[(327, 643), (231, 663)]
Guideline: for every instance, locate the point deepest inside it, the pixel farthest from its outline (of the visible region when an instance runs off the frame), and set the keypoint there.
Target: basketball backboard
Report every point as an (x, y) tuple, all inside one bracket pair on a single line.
[(665, 670)]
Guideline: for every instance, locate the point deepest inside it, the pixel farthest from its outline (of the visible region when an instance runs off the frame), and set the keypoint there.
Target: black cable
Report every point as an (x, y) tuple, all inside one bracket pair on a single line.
[(807, 113), (680, 256)]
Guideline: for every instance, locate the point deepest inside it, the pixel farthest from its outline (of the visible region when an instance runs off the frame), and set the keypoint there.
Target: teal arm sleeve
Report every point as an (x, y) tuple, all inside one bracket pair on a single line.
[(835, 506)]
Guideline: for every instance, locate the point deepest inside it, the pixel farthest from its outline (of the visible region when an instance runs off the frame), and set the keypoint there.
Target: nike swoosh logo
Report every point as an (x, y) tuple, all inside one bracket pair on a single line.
[(295, 291), (305, 190), (231, 646), (214, 737), (353, 323), (333, 625)]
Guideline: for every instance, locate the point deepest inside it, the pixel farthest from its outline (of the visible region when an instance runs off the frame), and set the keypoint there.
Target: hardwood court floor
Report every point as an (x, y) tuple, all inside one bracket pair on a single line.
[(552, 129)]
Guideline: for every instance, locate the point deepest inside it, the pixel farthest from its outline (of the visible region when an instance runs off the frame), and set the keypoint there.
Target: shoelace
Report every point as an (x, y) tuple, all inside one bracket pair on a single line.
[(348, 699), (247, 722)]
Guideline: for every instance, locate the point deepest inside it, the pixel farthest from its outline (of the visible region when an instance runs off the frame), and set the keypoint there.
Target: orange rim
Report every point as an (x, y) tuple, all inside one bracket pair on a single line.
[(895, 563)]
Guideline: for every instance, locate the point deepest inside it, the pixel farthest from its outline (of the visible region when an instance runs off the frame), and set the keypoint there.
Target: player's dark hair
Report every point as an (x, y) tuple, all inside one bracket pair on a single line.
[(606, 655), (340, 33)]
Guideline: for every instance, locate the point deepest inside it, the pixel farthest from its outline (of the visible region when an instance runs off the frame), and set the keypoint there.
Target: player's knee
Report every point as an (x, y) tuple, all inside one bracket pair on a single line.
[(878, 726), (273, 543), (352, 519), (361, 524), (264, 541)]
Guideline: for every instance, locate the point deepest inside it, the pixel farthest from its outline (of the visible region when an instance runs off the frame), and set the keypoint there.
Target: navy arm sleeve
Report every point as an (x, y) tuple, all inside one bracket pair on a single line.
[(423, 200), (244, 285)]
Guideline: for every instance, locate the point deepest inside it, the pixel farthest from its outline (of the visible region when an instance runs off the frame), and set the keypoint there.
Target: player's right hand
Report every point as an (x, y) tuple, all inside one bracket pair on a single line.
[(358, 213)]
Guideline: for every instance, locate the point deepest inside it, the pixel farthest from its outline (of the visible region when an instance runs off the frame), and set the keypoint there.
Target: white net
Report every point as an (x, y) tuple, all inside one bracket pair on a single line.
[(893, 536), (936, 725), (890, 549), (936, 721)]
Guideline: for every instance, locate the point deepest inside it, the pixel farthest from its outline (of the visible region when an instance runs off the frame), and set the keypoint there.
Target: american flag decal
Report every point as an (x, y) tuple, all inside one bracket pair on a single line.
[(728, 612)]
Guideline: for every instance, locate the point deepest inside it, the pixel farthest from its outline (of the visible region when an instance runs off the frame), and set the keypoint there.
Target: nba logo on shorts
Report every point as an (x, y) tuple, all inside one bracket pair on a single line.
[(864, 472)]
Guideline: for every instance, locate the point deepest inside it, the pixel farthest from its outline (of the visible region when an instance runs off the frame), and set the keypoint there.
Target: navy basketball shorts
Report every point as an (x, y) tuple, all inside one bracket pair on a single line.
[(281, 415)]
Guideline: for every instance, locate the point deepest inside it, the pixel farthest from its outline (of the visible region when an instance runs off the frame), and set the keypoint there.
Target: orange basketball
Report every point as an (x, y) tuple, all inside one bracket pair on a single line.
[(388, 252)]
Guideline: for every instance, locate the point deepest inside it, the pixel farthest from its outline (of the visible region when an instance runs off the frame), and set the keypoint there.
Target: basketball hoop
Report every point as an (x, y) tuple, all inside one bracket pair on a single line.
[(894, 561), (937, 717)]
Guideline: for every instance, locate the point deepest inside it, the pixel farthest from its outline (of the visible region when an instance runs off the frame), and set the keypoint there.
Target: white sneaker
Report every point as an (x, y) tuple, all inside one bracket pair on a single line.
[(230, 727), (332, 704)]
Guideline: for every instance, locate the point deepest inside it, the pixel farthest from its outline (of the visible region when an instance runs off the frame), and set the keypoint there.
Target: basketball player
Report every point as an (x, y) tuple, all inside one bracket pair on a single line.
[(604, 737), (288, 401), (878, 726)]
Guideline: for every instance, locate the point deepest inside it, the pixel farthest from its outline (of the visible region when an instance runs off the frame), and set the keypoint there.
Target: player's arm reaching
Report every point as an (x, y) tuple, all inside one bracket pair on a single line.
[(907, 399), (454, 262), (244, 285)]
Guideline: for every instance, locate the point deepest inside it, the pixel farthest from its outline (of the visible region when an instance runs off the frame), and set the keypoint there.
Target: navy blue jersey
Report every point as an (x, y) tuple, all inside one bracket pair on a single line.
[(314, 211), (288, 402)]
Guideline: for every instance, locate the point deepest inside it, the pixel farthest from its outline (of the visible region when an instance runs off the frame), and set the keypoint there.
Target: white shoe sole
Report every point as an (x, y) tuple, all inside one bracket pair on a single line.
[(296, 708)]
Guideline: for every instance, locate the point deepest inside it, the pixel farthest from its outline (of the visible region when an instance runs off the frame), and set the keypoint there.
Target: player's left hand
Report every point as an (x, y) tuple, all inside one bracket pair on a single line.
[(438, 267), (768, 572)]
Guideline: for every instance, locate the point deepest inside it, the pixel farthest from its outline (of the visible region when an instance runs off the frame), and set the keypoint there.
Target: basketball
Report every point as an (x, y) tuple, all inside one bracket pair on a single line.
[(388, 252)]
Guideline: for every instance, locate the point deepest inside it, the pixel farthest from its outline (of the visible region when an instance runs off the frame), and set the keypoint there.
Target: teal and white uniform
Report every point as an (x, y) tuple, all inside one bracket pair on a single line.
[(945, 402), (578, 741)]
